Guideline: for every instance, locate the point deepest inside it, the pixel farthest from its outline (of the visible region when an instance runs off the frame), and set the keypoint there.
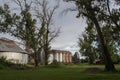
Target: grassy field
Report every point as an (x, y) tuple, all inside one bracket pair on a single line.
[(73, 72)]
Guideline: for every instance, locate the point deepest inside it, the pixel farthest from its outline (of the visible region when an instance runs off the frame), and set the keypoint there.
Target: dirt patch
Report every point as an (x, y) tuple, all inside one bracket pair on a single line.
[(93, 70)]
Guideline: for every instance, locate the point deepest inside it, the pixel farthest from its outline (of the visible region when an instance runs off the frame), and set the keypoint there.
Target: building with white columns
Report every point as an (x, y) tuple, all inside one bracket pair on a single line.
[(60, 56)]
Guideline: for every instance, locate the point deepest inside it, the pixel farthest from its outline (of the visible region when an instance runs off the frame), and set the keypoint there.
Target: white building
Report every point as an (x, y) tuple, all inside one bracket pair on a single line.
[(12, 52), (60, 56)]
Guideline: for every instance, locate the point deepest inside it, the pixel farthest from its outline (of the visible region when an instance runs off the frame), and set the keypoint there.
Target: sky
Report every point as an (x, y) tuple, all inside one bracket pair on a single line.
[(71, 28)]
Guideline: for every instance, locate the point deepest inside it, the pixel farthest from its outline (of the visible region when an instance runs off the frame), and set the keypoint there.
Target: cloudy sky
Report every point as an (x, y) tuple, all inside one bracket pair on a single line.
[(71, 28)]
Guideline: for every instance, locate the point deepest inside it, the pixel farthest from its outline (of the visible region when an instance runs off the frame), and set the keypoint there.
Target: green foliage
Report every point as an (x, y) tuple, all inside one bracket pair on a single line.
[(76, 58), (5, 18), (115, 58), (19, 67), (84, 60), (3, 59), (5, 64), (2, 66), (87, 43), (54, 64)]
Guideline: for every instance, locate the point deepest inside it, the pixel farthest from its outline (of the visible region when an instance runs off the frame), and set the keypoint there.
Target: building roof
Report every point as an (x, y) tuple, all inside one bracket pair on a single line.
[(7, 45), (60, 51)]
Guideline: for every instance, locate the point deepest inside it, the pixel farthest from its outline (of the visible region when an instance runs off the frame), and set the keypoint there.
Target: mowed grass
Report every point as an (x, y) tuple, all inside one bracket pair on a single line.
[(70, 72)]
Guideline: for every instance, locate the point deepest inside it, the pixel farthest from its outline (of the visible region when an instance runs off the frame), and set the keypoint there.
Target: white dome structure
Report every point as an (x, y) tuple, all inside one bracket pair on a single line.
[(12, 52)]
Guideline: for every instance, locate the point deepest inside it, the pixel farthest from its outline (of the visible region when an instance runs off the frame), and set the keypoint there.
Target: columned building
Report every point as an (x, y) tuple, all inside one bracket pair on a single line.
[(60, 56)]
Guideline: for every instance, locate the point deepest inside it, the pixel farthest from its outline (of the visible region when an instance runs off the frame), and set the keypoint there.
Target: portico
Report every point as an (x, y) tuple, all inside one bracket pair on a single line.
[(61, 56)]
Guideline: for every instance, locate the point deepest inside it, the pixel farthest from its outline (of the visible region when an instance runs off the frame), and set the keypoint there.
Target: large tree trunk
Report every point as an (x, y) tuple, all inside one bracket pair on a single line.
[(46, 57), (109, 66), (46, 54), (91, 58), (46, 48), (36, 59)]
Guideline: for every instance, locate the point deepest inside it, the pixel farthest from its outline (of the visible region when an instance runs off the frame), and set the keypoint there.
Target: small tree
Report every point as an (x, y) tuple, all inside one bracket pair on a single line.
[(76, 58)]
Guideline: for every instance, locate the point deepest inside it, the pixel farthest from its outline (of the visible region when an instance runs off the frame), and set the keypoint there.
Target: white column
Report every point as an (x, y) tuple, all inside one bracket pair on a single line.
[(67, 57), (56, 56), (63, 57), (70, 57), (60, 57)]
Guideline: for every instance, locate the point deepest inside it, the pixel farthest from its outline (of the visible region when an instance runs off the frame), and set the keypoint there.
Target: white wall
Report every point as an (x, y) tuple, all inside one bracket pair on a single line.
[(15, 57), (50, 58)]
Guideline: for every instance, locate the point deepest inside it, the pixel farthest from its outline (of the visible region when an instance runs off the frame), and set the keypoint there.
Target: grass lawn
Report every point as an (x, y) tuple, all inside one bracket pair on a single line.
[(74, 72)]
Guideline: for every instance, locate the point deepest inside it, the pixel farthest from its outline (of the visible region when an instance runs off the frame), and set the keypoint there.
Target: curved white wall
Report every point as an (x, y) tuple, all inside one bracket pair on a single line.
[(15, 57), (50, 58)]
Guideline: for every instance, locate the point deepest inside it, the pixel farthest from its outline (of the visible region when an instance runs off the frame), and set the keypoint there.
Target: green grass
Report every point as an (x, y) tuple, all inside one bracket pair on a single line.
[(73, 72)]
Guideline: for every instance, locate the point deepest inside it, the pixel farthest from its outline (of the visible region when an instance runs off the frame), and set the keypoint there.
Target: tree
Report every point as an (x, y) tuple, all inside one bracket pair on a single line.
[(45, 14), (36, 36), (24, 28), (89, 45), (93, 10), (114, 20), (86, 43), (76, 58), (5, 18), (39, 36)]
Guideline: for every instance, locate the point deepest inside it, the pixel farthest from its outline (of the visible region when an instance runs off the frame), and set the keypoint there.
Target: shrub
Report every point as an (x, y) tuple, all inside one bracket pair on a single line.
[(3, 59), (115, 58), (19, 67), (2, 66), (54, 64), (4, 63), (83, 60)]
